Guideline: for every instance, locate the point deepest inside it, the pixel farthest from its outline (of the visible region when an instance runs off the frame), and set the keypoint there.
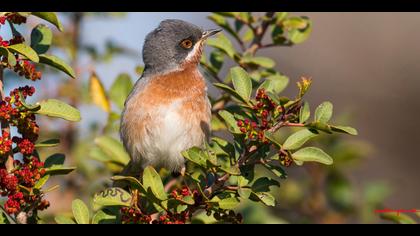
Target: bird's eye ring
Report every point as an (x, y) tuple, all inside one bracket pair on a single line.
[(186, 43)]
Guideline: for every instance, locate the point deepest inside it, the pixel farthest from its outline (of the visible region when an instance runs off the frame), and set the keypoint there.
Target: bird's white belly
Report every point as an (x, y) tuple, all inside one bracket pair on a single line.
[(169, 135)]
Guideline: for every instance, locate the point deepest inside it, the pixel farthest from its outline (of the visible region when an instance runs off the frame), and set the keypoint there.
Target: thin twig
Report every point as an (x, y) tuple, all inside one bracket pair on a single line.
[(259, 34)]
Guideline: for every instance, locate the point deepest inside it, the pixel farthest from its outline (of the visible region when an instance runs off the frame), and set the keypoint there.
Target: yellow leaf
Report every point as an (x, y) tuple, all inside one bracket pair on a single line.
[(98, 94)]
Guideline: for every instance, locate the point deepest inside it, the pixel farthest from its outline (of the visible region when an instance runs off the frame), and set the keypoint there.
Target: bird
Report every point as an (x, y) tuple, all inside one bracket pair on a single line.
[(168, 110)]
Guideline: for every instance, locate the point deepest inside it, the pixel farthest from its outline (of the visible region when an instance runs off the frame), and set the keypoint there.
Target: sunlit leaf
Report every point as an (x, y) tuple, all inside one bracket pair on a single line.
[(25, 50), (112, 197), (98, 94), (312, 154), (57, 108), (323, 112), (296, 140), (120, 89), (57, 63), (304, 113), (344, 129), (152, 180), (80, 211), (50, 17), (11, 60), (60, 219), (241, 82)]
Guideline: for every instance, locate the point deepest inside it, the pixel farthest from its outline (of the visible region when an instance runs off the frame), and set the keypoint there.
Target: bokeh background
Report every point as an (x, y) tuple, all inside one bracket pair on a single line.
[(367, 64)]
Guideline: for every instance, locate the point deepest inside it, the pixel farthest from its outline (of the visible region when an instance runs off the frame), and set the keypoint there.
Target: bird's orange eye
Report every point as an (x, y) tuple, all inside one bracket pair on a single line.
[(186, 43)]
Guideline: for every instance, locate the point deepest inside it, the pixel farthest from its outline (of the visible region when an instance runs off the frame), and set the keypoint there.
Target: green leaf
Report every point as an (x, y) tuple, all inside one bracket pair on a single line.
[(50, 17), (101, 217), (273, 138), (41, 182), (248, 35), (3, 218), (313, 126), (57, 108), (135, 182), (275, 83), (24, 50), (11, 59), (57, 63), (112, 197), (229, 203), (195, 155), (244, 192), (189, 200), (113, 148), (222, 22), (304, 113), (80, 211), (55, 160), (216, 60), (280, 16), (48, 143), (230, 121), (41, 38), (398, 218), (276, 170), (58, 170), (299, 31), (323, 112), (344, 129), (233, 170), (223, 43), (265, 62), (312, 154), (60, 219), (241, 82), (263, 184), (152, 180), (120, 89), (295, 23), (230, 91), (264, 197), (296, 140)]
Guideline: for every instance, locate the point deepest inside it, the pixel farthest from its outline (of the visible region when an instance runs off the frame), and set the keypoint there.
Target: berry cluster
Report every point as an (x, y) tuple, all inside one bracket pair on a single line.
[(12, 17), (14, 185), (227, 216), (285, 159), (266, 110), (5, 143), (27, 69), (13, 112), (134, 215), (17, 184), (183, 192), (14, 40), (173, 218), (131, 215)]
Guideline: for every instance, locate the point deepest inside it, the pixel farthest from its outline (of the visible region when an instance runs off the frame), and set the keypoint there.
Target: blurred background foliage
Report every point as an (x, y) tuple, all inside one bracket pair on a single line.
[(313, 194)]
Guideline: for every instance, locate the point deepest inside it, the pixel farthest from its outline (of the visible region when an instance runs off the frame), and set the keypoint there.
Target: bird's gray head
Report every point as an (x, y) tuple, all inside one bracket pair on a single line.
[(172, 45)]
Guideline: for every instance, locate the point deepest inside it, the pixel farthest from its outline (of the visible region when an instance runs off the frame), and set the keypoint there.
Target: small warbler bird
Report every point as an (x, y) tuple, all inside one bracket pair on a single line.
[(168, 110)]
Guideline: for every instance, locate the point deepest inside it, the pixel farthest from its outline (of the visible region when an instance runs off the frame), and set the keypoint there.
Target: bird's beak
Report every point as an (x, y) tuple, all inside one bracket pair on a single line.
[(209, 33)]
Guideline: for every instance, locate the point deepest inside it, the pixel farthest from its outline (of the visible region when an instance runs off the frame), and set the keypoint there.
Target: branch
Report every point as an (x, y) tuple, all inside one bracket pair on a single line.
[(259, 34)]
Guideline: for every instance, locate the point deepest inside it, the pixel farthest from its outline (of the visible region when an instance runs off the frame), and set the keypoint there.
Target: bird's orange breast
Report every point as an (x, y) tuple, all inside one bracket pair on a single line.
[(170, 113)]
